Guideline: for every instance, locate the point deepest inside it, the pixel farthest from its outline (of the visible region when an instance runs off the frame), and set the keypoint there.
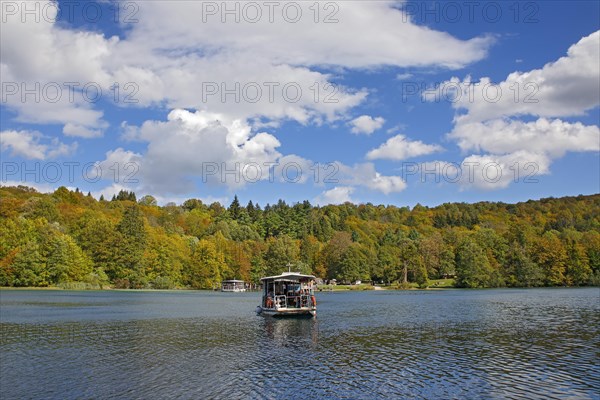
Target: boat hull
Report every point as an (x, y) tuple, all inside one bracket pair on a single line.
[(287, 312)]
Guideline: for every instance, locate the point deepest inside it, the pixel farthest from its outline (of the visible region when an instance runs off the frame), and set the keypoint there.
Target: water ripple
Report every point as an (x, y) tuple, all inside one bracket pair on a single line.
[(451, 345)]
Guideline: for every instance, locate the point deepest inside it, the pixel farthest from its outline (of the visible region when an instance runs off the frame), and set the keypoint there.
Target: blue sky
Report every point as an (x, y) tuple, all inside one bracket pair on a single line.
[(386, 102)]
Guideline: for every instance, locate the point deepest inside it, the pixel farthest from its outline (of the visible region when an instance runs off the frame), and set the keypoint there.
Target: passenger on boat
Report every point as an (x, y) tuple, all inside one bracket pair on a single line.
[(269, 301)]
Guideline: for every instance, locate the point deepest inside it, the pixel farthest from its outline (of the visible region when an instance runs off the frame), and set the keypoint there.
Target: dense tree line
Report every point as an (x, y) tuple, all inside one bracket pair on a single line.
[(67, 237)]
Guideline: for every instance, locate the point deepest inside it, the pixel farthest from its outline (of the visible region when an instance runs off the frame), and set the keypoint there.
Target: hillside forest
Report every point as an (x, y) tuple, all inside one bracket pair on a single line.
[(70, 239)]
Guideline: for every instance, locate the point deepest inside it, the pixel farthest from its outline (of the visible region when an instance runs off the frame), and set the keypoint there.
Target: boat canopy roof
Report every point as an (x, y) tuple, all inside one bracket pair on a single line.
[(232, 281), (289, 276)]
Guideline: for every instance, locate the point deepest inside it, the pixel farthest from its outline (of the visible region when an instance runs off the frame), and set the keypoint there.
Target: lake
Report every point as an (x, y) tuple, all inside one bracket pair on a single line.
[(444, 344)]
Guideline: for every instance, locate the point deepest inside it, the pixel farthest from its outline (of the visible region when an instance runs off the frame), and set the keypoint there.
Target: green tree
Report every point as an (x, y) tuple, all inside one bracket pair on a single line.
[(164, 259), (44, 207), (98, 238), (30, 267), (234, 208), (388, 264), (148, 201), (549, 253), (281, 251), (66, 261), (411, 262), (520, 270), (206, 266), (473, 268), (353, 265), (309, 254), (334, 252), (132, 246), (578, 271)]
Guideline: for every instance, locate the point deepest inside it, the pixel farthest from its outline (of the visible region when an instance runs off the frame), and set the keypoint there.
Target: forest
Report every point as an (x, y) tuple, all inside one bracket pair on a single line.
[(71, 240)]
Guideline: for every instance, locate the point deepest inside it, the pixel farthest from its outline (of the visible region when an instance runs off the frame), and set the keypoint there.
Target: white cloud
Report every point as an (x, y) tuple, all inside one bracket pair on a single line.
[(544, 136), (400, 147), (520, 148), (396, 129), (366, 124), (202, 145), (174, 60), (387, 184), (493, 172), (170, 57), (243, 86), (366, 175), (187, 26), (567, 87), (404, 76), (484, 172), (30, 145), (488, 115), (337, 195), (44, 60), (209, 147), (295, 169), (81, 131)]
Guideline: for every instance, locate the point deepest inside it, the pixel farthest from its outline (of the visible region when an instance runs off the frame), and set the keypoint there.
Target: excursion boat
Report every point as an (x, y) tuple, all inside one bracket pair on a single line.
[(233, 285), (288, 294)]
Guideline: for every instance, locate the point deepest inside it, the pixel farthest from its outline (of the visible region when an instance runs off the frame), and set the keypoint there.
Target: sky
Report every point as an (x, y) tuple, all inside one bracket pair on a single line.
[(383, 102)]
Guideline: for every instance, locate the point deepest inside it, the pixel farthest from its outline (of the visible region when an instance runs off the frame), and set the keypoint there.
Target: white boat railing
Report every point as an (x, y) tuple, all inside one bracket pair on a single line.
[(299, 301), (280, 301)]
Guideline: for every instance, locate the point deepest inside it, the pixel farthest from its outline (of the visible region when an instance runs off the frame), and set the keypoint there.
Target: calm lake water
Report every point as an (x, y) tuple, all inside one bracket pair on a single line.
[(455, 344)]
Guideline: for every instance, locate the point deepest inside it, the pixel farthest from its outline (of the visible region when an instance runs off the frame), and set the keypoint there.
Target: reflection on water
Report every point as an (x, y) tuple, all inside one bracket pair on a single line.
[(287, 331), (541, 343)]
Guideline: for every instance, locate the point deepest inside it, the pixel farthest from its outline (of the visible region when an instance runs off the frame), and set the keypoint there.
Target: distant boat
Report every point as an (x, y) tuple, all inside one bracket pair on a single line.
[(288, 294), (233, 285)]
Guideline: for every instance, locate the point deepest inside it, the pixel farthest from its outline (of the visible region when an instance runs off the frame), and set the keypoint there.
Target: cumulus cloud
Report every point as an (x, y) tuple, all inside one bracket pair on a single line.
[(71, 129), (219, 151), (484, 172), (567, 87), (489, 116), (190, 145), (295, 169), (366, 124), (333, 40), (519, 149), (366, 175), (173, 60), (53, 65), (493, 172), (400, 147), (337, 195), (552, 137), (33, 145), (243, 86), (234, 76)]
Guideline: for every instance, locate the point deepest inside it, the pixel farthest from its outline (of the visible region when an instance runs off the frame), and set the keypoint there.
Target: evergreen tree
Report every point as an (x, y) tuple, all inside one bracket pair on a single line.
[(131, 227), (234, 208)]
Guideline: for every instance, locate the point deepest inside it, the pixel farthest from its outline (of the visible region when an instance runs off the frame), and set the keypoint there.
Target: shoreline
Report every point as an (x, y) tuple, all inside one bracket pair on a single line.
[(325, 290)]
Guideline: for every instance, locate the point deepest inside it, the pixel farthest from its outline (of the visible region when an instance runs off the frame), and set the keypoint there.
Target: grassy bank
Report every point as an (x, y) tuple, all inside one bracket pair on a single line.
[(433, 284)]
